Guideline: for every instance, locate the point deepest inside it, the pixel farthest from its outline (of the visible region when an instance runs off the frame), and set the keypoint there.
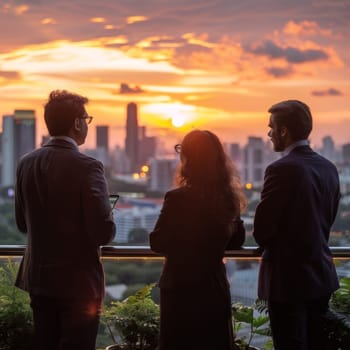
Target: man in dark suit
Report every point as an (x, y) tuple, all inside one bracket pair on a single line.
[(299, 202), (62, 205)]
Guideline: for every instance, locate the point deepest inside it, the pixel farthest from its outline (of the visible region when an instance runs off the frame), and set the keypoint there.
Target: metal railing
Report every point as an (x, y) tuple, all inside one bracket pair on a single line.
[(146, 252)]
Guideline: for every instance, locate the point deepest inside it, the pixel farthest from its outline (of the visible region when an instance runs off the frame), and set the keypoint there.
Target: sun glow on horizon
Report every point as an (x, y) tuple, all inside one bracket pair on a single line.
[(178, 120)]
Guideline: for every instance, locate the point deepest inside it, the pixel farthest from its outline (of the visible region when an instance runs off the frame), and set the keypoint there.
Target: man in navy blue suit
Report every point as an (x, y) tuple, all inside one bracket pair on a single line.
[(299, 202)]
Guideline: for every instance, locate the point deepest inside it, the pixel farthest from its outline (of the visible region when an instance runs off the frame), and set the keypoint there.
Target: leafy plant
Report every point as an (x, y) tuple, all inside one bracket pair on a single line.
[(244, 315), (340, 300), (337, 319), (16, 323), (135, 320)]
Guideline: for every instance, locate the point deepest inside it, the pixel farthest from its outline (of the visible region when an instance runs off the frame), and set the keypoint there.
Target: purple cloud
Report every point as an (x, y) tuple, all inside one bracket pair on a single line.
[(328, 92), (290, 54), (279, 72), (126, 89)]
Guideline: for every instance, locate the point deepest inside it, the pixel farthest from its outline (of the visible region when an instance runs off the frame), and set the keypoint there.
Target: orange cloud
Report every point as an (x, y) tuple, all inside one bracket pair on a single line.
[(20, 10), (305, 28), (134, 19), (97, 20), (48, 21)]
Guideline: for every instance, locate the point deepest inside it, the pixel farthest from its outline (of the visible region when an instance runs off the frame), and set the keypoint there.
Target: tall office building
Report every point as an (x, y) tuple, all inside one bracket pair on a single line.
[(8, 151), (346, 153), (147, 146), (102, 137), (254, 162), (18, 139), (132, 141), (24, 132), (162, 172), (102, 144), (328, 149)]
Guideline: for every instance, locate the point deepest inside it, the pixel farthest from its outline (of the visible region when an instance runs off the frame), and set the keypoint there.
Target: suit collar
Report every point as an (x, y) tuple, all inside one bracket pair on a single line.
[(295, 145), (62, 142)]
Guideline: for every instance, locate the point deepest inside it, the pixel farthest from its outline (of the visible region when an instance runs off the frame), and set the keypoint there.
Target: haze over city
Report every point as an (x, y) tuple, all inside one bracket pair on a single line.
[(216, 65)]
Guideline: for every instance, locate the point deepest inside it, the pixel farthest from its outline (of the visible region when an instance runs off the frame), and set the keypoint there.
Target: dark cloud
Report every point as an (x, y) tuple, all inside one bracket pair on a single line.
[(328, 92), (126, 89), (290, 54), (279, 72)]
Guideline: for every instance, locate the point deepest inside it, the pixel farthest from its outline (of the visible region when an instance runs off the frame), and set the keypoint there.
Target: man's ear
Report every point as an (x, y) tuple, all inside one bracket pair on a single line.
[(283, 131), (77, 124)]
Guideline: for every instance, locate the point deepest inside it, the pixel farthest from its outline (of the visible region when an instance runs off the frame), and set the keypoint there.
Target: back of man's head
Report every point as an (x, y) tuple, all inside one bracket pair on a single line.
[(295, 116), (61, 110)]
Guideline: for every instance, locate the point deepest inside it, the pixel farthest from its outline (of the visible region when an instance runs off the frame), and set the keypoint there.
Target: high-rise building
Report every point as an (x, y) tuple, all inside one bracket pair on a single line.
[(18, 139), (162, 172), (346, 153), (24, 132), (328, 150), (132, 141), (102, 137), (147, 146), (8, 151), (254, 163), (102, 144)]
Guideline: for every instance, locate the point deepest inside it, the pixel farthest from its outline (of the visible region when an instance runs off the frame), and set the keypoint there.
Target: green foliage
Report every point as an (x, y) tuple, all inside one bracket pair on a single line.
[(337, 319), (135, 319), (16, 324), (341, 298), (243, 314)]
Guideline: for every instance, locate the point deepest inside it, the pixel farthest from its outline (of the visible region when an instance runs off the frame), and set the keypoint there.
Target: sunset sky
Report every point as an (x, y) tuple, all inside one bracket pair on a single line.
[(210, 64)]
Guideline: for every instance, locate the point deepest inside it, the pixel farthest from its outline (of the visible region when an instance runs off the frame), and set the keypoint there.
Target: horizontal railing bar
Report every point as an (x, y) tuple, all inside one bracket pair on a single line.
[(145, 252)]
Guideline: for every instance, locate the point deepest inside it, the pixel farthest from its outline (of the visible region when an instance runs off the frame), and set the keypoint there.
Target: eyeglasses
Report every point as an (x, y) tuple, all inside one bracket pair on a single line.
[(88, 119), (177, 148)]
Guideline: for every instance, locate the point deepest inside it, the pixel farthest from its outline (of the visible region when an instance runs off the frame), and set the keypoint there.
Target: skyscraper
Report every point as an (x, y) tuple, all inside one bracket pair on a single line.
[(102, 137), (18, 139), (24, 132), (102, 144), (254, 161), (132, 141)]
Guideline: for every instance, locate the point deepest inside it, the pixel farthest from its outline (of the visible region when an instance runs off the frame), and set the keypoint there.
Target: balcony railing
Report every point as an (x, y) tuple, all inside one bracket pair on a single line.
[(145, 252)]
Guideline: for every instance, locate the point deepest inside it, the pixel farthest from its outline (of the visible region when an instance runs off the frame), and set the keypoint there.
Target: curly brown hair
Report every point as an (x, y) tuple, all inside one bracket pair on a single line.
[(206, 167)]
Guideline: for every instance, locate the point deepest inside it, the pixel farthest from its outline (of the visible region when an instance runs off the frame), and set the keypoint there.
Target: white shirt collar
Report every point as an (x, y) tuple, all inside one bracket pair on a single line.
[(294, 145), (65, 138)]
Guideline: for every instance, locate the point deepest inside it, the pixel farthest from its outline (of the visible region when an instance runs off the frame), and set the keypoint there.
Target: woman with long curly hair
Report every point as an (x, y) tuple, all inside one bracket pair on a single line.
[(200, 219)]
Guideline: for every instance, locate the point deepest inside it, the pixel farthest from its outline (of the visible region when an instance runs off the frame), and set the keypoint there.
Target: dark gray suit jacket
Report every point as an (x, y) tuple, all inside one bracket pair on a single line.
[(299, 202), (62, 204)]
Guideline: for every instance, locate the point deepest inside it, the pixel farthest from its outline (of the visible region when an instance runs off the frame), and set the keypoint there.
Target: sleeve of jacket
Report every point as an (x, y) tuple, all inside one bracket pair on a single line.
[(238, 235), (98, 216), (160, 237), (275, 196)]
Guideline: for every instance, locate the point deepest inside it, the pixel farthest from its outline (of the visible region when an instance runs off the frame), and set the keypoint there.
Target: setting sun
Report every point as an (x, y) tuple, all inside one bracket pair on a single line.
[(178, 120)]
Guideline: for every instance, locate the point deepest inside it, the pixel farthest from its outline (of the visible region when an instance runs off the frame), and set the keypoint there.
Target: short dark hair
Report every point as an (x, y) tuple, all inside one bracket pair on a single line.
[(61, 110), (295, 116)]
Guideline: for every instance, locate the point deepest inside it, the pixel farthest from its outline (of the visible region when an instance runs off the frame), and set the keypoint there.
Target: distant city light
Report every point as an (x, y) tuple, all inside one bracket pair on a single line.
[(248, 186), (145, 168)]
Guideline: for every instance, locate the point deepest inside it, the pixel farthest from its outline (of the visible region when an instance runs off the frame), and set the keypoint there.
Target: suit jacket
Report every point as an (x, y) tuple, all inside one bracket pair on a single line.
[(62, 205), (299, 202), (192, 241)]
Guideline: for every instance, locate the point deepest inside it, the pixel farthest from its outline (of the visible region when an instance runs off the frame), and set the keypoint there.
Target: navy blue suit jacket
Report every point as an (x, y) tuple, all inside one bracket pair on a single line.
[(62, 205), (299, 202)]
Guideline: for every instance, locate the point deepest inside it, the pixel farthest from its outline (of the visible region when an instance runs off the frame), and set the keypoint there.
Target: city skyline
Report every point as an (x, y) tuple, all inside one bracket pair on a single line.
[(189, 64)]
